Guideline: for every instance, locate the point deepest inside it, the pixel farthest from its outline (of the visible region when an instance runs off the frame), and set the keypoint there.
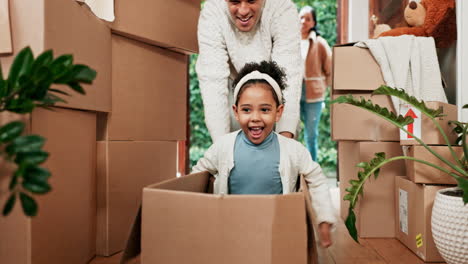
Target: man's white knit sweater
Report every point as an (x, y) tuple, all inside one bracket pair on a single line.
[(276, 37)]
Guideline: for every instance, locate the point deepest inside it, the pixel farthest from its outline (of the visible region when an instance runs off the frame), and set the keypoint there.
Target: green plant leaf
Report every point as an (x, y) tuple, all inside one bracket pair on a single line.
[(3, 88), (28, 204), (24, 144), (20, 105), (383, 112), (21, 65), (465, 106), (400, 93), (31, 158), (36, 187), (14, 180), (77, 87), (58, 91), (36, 174), (11, 131), (463, 184), (9, 204), (350, 223), (50, 100), (42, 61), (83, 74)]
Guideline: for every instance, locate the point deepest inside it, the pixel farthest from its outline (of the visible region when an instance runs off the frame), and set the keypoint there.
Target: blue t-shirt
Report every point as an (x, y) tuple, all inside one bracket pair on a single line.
[(256, 167)]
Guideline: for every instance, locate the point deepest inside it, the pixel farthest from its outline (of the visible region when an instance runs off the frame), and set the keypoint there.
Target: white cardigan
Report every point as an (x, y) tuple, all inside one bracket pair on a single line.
[(295, 159), (276, 37)]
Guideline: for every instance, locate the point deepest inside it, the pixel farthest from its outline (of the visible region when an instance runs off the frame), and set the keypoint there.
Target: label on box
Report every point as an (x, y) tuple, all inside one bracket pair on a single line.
[(403, 205), (415, 127), (419, 241)]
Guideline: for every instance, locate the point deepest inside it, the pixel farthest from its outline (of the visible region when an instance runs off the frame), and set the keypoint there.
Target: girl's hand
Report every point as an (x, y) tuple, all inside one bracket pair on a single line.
[(287, 134), (324, 234)]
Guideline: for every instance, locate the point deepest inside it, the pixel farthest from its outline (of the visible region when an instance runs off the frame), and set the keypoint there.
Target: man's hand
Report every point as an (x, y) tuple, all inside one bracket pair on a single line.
[(287, 134), (324, 234)]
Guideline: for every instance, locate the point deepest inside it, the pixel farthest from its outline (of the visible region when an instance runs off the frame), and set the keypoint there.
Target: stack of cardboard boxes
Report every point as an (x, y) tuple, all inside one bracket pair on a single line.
[(393, 206), (135, 110)]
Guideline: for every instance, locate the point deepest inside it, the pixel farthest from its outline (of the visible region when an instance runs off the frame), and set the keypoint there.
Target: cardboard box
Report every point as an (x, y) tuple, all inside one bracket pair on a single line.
[(66, 28), (149, 96), (429, 133), (170, 24), (349, 122), (64, 231), (422, 173), (5, 28), (413, 205), (182, 223), (375, 212), (123, 169), (355, 69)]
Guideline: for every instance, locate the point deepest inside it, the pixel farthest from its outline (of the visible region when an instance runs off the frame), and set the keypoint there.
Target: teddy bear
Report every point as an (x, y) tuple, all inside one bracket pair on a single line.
[(429, 18)]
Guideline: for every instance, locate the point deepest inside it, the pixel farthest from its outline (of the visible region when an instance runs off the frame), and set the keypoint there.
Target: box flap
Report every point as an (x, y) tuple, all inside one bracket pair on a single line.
[(312, 257)]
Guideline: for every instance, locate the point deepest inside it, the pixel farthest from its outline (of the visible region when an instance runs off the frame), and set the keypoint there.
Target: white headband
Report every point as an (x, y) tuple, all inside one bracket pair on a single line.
[(256, 75)]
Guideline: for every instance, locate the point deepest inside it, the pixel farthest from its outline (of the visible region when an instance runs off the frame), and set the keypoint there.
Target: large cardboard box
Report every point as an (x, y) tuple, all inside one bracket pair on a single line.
[(5, 28), (149, 94), (66, 28), (413, 205), (123, 169), (430, 134), (64, 231), (375, 212), (355, 69), (170, 24), (182, 223), (349, 122), (422, 173)]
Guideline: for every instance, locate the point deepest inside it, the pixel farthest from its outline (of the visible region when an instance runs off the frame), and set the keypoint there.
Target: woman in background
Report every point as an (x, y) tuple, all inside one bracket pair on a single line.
[(316, 55)]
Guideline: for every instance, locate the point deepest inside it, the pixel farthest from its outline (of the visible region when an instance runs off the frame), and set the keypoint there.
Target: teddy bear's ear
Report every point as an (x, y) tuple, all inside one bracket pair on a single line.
[(440, 21)]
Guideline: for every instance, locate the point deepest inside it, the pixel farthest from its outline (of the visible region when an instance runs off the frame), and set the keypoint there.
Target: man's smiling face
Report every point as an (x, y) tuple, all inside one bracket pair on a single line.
[(245, 13)]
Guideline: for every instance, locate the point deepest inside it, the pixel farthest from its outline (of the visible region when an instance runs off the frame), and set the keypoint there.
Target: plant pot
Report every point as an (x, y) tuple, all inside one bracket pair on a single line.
[(450, 227)]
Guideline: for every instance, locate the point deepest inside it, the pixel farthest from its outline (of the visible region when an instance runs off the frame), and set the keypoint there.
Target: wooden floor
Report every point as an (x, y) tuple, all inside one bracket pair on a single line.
[(344, 250)]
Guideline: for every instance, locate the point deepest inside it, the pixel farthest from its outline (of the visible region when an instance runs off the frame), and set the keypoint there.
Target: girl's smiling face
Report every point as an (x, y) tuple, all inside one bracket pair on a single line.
[(257, 111)]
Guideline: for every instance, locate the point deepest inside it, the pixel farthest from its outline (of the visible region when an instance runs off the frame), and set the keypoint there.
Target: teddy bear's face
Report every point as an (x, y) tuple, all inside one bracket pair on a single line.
[(415, 14)]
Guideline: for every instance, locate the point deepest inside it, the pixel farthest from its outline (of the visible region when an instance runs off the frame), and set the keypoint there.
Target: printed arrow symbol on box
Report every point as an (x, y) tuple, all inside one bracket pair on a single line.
[(411, 126)]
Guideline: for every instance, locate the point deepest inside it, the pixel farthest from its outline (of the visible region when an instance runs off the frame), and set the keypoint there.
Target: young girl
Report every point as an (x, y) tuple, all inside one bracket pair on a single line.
[(256, 160)]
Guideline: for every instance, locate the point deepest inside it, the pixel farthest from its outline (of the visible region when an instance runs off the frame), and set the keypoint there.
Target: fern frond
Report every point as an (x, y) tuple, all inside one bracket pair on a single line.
[(418, 104), (399, 121)]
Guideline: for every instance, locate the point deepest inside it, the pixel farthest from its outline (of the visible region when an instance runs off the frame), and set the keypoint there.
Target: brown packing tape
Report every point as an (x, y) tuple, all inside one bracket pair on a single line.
[(6, 46)]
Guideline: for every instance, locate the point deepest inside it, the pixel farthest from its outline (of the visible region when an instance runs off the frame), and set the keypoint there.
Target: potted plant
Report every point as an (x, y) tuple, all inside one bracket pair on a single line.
[(458, 197), (28, 85)]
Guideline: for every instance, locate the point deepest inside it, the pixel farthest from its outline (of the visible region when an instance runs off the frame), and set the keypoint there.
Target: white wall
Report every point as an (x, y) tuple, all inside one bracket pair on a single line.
[(358, 26), (462, 59)]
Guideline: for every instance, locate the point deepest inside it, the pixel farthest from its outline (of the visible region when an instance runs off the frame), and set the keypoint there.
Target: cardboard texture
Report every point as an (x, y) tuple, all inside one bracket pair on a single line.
[(375, 211), (430, 134), (421, 173), (413, 206), (65, 227), (153, 22), (355, 69), (149, 96), (179, 216), (123, 169), (5, 28), (66, 27), (349, 122)]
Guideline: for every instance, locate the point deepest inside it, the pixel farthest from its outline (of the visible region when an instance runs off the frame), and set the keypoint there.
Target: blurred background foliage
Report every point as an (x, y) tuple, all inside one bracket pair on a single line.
[(200, 138)]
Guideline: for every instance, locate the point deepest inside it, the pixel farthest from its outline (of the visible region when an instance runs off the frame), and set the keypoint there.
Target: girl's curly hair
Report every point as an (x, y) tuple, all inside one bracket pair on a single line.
[(268, 67)]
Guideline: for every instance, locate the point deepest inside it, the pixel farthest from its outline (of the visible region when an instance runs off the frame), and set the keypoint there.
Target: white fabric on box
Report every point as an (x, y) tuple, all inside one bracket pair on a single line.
[(410, 63), (104, 9)]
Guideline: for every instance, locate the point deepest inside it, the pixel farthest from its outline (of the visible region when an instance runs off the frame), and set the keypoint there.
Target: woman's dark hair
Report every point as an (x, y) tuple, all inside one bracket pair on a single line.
[(314, 16), (267, 67)]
